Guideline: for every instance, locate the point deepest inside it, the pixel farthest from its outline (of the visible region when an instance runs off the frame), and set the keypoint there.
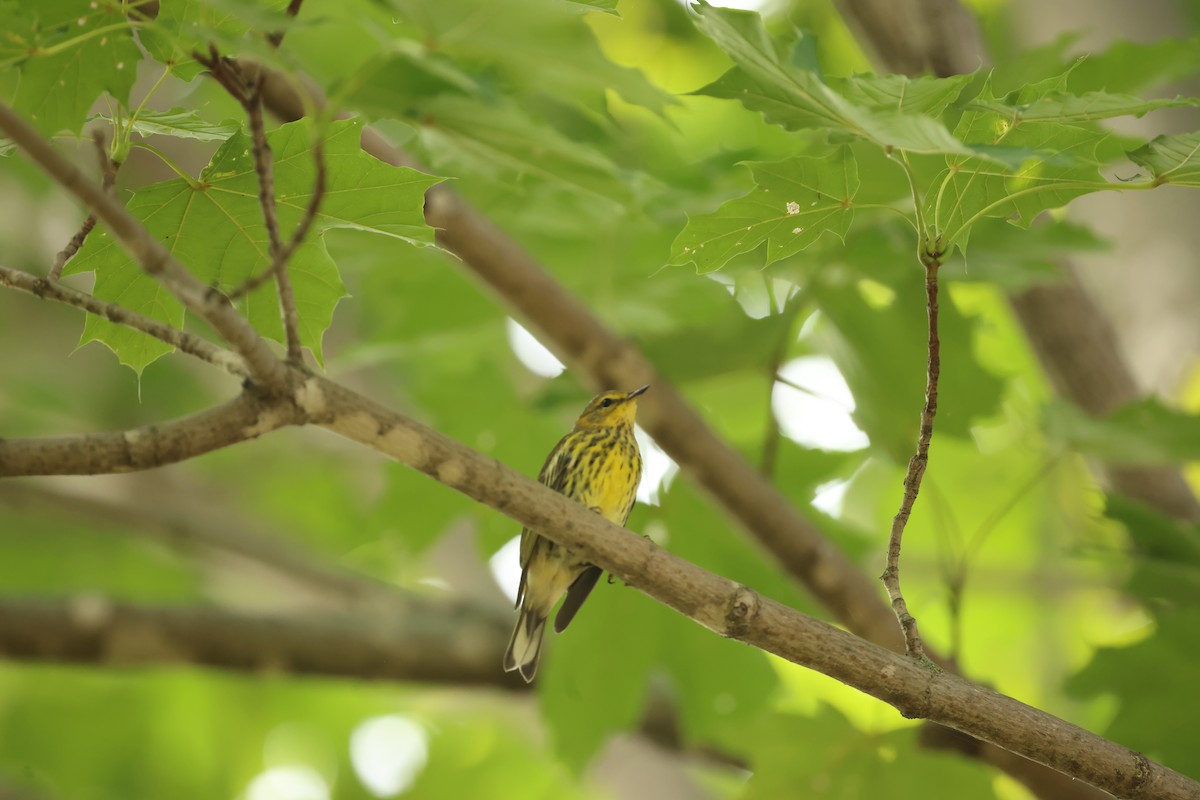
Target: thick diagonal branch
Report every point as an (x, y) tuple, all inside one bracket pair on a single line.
[(738, 612), (729, 609), (578, 336)]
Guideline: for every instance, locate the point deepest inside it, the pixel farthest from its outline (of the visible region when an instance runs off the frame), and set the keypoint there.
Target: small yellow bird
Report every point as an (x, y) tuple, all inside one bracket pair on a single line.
[(598, 465)]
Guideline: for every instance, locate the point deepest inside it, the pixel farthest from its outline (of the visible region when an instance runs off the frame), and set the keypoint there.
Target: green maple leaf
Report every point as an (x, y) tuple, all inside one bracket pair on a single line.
[(924, 95), (215, 228), (69, 52), (794, 203), (1055, 150), (769, 80)]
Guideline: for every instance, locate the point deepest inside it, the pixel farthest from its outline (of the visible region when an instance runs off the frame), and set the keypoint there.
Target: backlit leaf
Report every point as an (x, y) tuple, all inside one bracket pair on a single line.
[(793, 204)]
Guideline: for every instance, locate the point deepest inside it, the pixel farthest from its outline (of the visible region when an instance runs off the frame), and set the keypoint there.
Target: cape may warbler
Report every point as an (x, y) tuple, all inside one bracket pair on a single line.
[(598, 465)]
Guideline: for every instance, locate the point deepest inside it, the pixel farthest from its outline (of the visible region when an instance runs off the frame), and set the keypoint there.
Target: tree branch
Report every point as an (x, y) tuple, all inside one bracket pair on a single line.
[(915, 36), (1074, 342), (738, 612), (729, 609), (578, 336), (186, 342), (149, 252), (428, 641), (1078, 349), (247, 90), (916, 467), (726, 608), (245, 417), (280, 259)]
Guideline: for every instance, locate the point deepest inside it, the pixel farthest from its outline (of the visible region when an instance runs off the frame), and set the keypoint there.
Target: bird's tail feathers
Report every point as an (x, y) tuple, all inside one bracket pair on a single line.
[(525, 647)]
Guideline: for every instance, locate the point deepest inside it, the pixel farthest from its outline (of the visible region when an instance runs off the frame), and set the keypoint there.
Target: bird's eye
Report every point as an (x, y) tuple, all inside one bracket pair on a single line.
[(606, 402)]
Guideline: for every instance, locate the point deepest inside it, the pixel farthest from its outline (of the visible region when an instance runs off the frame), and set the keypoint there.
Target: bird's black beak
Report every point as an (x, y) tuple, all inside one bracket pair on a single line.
[(637, 392)]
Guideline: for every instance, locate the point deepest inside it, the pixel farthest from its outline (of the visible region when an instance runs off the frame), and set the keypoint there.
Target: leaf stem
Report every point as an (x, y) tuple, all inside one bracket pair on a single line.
[(922, 234), (137, 112), (931, 260), (108, 169), (192, 182), (937, 203)]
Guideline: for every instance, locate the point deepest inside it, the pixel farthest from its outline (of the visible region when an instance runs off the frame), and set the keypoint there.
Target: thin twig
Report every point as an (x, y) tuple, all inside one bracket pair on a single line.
[(108, 171), (264, 165), (226, 72), (916, 465), (247, 90), (276, 38), (310, 214), (185, 342)]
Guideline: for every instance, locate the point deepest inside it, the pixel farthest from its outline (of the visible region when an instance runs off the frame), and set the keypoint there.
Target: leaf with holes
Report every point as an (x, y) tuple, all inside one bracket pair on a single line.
[(793, 204), (215, 228)]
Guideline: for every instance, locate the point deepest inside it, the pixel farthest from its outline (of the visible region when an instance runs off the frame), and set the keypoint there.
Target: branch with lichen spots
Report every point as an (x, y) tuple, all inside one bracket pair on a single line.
[(247, 416)]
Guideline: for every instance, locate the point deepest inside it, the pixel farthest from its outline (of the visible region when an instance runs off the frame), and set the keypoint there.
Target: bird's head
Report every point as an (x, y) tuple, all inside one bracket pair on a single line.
[(611, 409)]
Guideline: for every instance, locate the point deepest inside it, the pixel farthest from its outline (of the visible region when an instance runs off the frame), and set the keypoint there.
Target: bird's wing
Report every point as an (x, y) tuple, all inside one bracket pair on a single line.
[(554, 471), (578, 592), (553, 475)]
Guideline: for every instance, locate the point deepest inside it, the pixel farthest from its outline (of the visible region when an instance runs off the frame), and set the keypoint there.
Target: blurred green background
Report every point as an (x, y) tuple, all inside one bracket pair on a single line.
[(573, 127)]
